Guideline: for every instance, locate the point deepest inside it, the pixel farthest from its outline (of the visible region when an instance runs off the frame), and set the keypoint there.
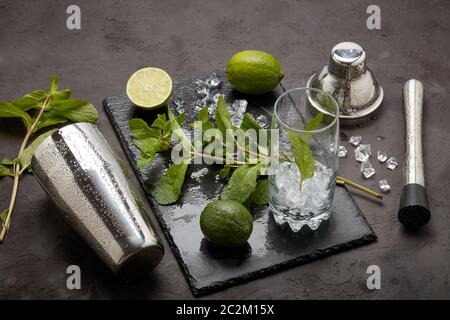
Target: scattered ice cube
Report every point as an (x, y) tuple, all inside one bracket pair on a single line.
[(391, 163), (262, 120), (179, 105), (196, 175), (342, 151), (202, 91), (355, 140), (239, 106), (362, 152), (237, 111), (384, 185), (236, 119), (381, 156), (213, 81), (380, 138), (367, 169)]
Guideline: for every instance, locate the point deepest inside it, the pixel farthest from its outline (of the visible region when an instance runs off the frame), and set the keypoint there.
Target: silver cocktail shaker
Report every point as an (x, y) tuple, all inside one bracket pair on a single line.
[(81, 173)]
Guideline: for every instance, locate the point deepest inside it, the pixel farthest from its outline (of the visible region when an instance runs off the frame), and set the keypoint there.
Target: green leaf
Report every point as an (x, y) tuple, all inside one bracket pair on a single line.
[(140, 130), (148, 148), (7, 162), (74, 110), (203, 115), (176, 129), (223, 117), (160, 121), (61, 95), (3, 216), (26, 155), (261, 194), (168, 189), (50, 118), (27, 103), (302, 156), (241, 184), (224, 172), (249, 122), (181, 117), (54, 83), (64, 105), (313, 124), (5, 171), (38, 95), (8, 110)]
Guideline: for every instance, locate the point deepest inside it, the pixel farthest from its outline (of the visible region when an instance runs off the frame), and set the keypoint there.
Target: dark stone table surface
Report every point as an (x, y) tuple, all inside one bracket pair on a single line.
[(118, 37)]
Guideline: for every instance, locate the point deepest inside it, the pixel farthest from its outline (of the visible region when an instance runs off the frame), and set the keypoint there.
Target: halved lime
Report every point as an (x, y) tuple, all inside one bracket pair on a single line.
[(149, 87)]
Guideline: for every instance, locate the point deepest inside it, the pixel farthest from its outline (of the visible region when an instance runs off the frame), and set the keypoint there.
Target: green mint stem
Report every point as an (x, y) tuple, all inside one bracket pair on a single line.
[(18, 172)]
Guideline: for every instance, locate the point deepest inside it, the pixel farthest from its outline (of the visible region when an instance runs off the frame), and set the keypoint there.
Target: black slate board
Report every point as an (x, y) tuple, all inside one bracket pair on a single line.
[(270, 247)]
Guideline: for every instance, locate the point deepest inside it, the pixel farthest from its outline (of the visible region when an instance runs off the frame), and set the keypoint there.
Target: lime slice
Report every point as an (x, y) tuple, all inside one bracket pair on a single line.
[(149, 88)]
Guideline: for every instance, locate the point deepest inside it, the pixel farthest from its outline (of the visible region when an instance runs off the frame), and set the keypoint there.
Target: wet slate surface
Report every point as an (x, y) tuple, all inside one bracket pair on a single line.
[(270, 248)]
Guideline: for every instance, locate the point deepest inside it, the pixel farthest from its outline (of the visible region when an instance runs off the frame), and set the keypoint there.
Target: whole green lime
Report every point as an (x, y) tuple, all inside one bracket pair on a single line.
[(254, 72), (226, 223)]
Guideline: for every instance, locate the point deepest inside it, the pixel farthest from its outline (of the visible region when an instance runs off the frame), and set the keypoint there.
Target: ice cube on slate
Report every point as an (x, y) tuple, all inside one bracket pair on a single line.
[(381, 156), (213, 81), (362, 152), (179, 105), (384, 185), (262, 120), (239, 106), (199, 174), (236, 119), (202, 91), (367, 169), (355, 140), (342, 152), (392, 163)]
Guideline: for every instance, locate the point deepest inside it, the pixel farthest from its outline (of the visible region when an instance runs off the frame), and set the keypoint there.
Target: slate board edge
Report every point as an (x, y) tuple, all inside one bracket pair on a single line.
[(198, 292)]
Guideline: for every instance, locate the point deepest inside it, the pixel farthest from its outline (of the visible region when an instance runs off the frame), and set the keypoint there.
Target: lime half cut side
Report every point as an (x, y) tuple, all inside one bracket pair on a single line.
[(149, 87)]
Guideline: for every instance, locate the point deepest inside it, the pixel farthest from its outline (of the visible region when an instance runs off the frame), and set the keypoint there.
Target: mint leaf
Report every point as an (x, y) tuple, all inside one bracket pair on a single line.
[(181, 117), (8, 110), (140, 130), (5, 171), (203, 115), (54, 83), (301, 151), (61, 95), (224, 172), (302, 156), (26, 155), (50, 118), (38, 95), (168, 189), (74, 110), (241, 184), (27, 103), (179, 133), (148, 148), (223, 117), (249, 122), (313, 124), (160, 121), (261, 194), (7, 162)]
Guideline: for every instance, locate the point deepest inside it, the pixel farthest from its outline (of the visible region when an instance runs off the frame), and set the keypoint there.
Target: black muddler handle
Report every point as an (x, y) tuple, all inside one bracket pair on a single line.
[(413, 211)]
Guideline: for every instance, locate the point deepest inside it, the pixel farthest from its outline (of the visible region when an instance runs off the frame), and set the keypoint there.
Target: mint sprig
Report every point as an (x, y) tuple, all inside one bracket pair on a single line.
[(243, 177), (37, 110), (300, 149)]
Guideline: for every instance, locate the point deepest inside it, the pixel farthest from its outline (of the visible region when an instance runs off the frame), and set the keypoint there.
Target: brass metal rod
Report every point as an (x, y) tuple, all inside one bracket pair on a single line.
[(343, 181)]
